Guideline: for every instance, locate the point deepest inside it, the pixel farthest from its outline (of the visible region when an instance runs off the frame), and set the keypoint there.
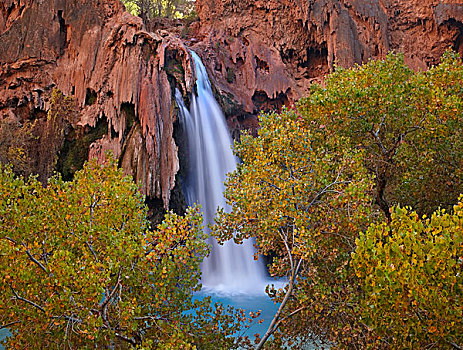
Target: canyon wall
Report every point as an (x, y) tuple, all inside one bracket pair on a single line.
[(266, 53), (117, 81)]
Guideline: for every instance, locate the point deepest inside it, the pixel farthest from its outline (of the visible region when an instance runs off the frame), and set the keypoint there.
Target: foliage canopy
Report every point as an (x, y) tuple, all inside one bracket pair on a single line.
[(149, 9), (374, 134), (304, 206), (410, 125), (411, 274), (79, 267)]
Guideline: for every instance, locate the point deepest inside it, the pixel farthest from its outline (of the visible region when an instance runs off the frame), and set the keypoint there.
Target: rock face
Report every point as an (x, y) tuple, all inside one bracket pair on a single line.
[(266, 53), (116, 73)]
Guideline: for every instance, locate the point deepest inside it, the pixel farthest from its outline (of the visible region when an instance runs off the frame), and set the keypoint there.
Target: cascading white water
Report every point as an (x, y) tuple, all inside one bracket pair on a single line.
[(231, 267)]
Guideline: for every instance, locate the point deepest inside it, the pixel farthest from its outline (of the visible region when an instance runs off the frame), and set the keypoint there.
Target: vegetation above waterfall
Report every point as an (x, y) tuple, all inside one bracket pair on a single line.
[(372, 138), (149, 9)]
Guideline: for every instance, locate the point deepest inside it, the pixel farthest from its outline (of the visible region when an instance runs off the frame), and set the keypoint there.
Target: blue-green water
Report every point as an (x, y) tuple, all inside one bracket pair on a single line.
[(251, 302), (3, 334)]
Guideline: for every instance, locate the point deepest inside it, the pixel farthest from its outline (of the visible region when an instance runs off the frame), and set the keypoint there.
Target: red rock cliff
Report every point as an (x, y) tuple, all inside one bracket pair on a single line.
[(260, 54), (267, 52), (116, 72)]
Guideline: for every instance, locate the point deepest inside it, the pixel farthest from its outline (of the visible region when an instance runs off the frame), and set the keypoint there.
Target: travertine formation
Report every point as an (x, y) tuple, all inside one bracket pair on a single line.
[(267, 52), (260, 54), (115, 71)]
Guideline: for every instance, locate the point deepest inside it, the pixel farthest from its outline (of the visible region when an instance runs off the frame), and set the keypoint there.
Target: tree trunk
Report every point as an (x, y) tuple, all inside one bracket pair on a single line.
[(381, 182)]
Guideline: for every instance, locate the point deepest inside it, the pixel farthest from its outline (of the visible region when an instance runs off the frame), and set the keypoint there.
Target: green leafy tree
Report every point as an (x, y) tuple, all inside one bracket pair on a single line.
[(149, 9), (410, 125), (411, 275), (303, 189), (80, 268), (304, 206)]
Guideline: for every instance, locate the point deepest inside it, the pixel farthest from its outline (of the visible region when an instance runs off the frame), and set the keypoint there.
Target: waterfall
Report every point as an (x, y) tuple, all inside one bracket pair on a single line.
[(230, 267)]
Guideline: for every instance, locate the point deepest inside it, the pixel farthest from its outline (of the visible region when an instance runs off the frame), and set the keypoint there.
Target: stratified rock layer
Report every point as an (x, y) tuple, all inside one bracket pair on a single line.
[(115, 71)]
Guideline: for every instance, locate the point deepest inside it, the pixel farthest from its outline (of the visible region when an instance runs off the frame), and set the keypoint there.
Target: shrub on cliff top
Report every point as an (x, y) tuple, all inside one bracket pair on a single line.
[(149, 9)]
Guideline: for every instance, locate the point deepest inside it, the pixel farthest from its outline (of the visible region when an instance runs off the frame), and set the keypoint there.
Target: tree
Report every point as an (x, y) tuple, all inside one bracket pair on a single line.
[(304, 189), (149, 9), (411, 274), (32, 146), (410, 125), (79, 267), (13, 138), (304, 206)]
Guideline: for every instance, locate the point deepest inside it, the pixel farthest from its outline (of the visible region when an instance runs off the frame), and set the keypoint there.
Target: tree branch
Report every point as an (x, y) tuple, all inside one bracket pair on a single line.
[(289, 316), (8, 324), (91, 250), (26, 300), (104, 304), (454, 345), (11, 240), (35, 260), (378, 141), (38, 263), (325, 189), (125, 338), (271, 329), (271, 185), (69, 318)]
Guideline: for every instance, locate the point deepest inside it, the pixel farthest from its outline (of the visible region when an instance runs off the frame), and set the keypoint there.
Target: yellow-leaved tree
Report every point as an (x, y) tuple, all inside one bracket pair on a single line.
[(371, 137), (79, 268), (304, 206), (410, 125), (411, 273)]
